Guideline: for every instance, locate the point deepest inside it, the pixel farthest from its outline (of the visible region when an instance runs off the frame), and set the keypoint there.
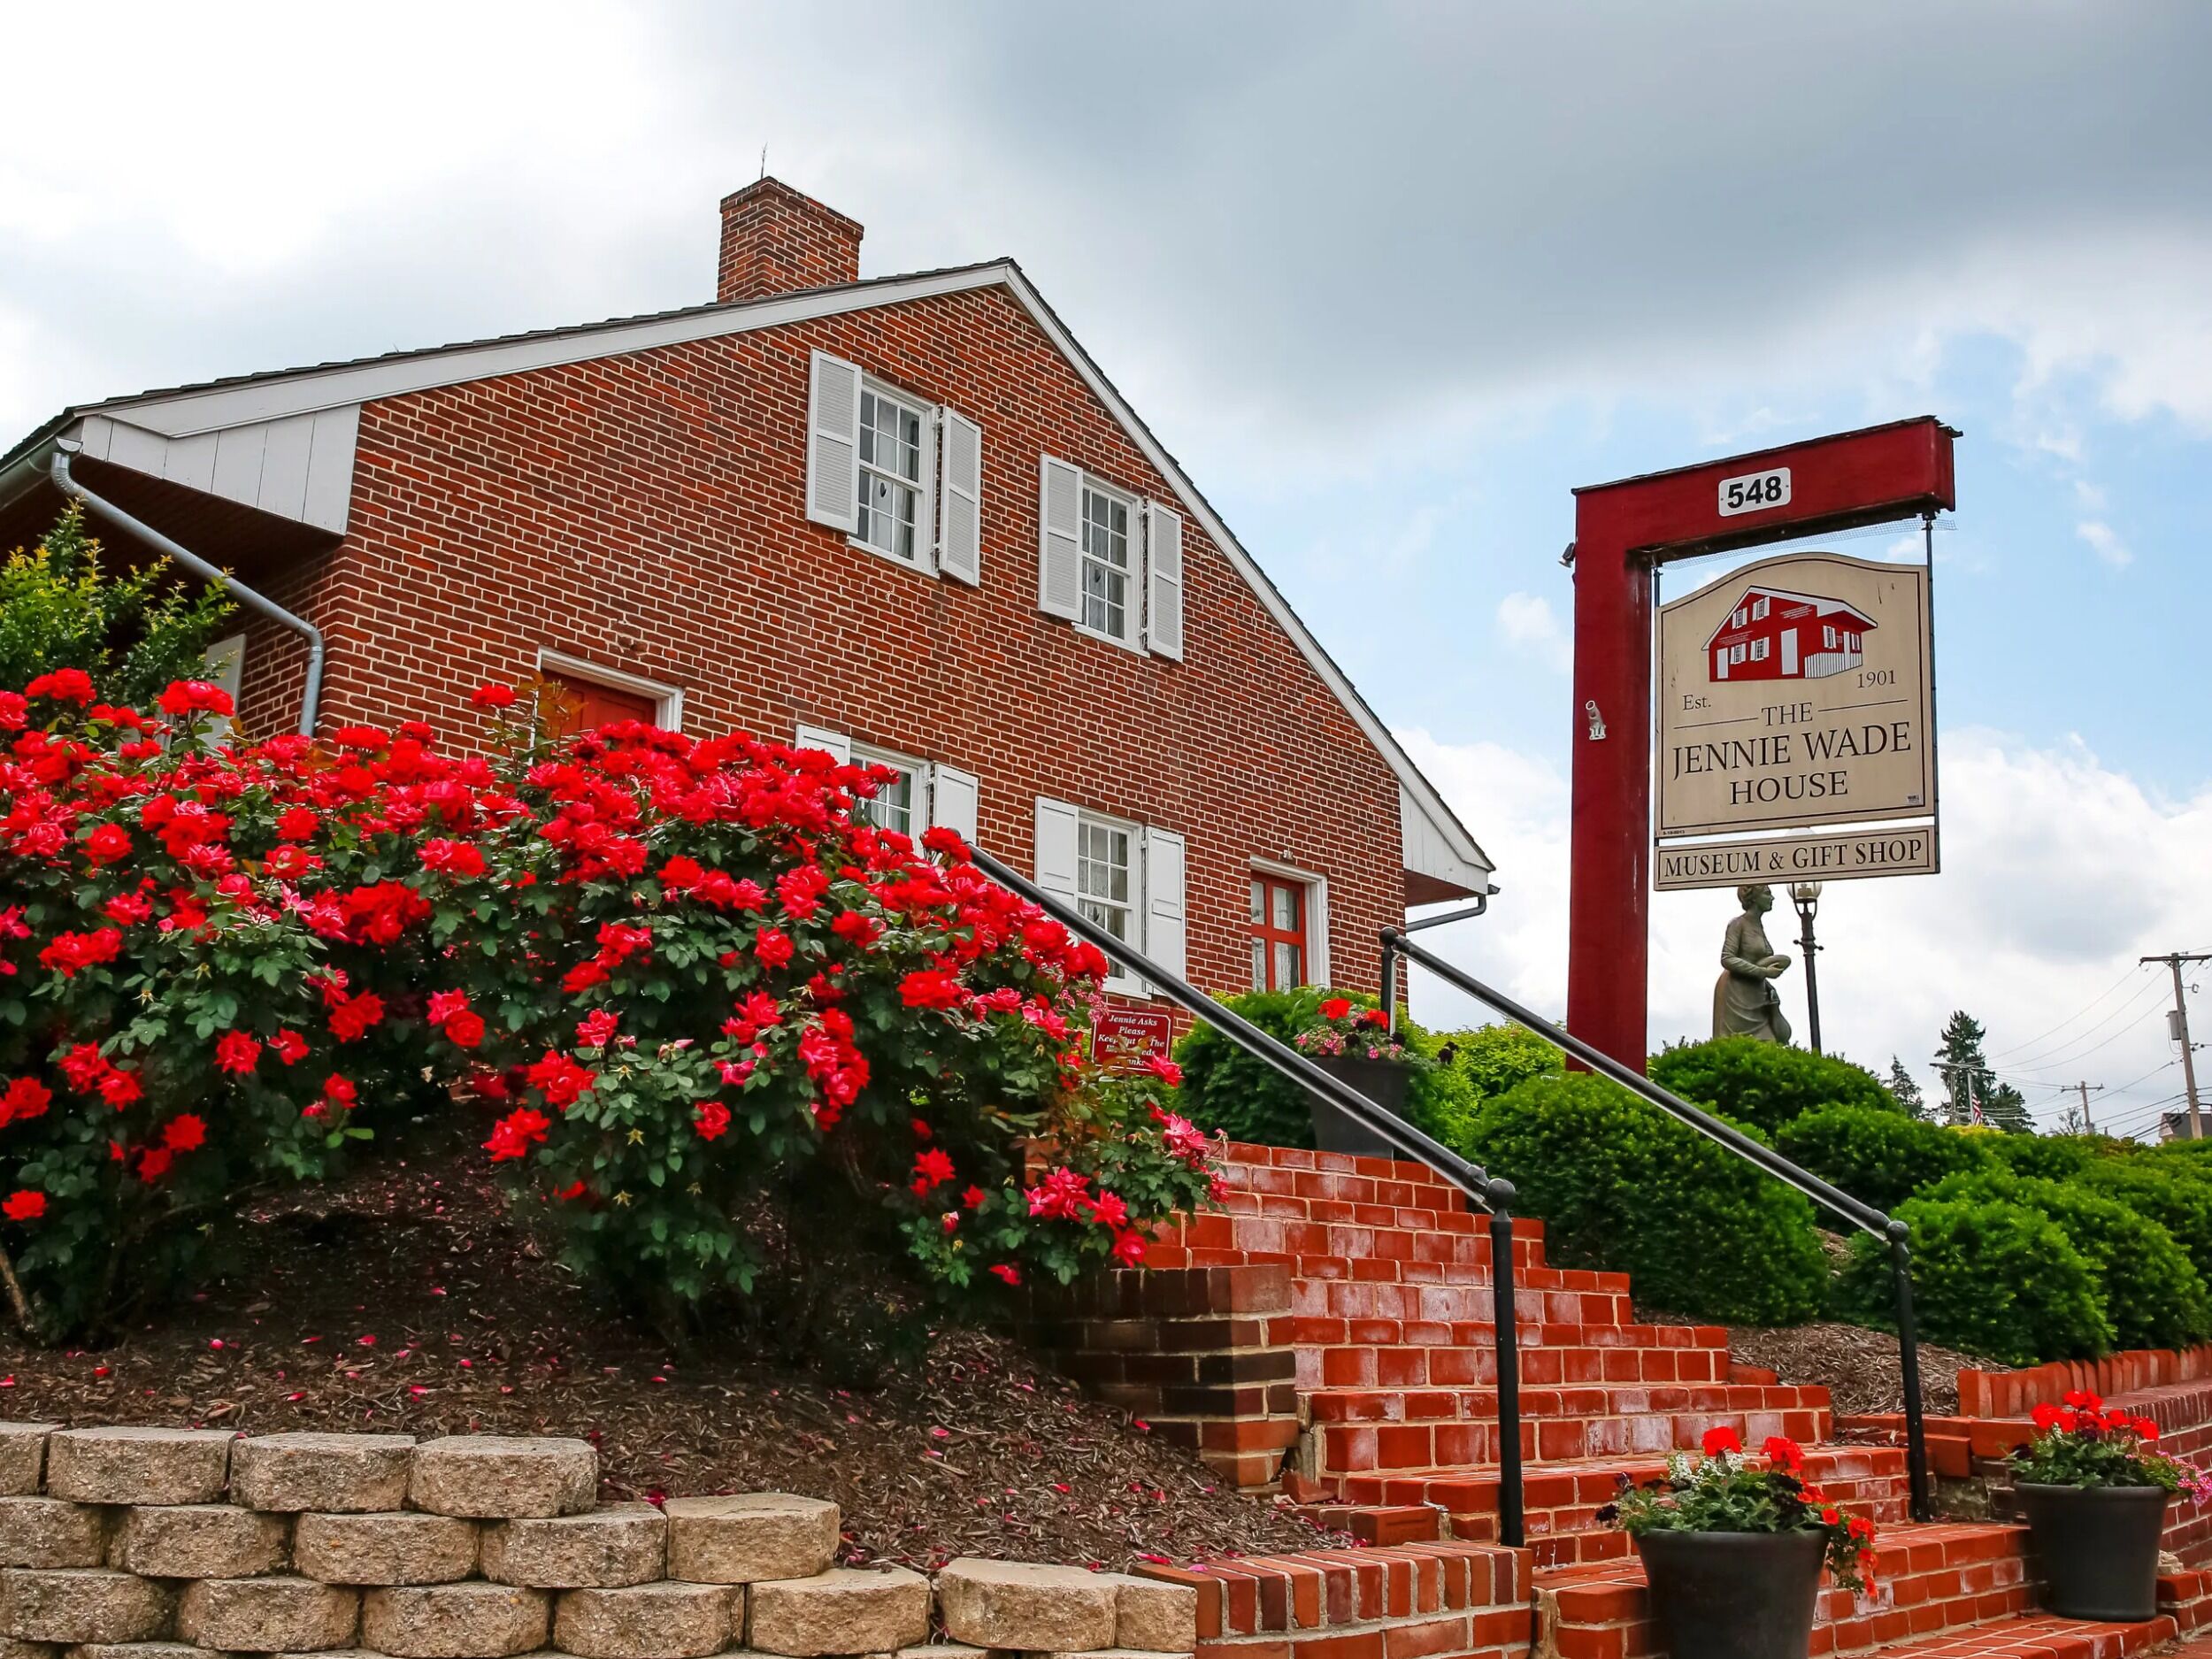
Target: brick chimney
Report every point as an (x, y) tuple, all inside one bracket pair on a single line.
[(775, 241)]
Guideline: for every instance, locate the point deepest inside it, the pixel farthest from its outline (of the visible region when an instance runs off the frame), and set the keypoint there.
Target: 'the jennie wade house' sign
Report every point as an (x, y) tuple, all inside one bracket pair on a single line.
[(1796, 691)]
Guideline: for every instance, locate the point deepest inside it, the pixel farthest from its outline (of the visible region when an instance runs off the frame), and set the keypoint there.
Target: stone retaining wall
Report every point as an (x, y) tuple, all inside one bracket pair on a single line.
[(140, 1543)]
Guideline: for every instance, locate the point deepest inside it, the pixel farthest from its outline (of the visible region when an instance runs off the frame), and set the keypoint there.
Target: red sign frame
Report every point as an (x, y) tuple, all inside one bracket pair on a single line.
[(1623, 531)]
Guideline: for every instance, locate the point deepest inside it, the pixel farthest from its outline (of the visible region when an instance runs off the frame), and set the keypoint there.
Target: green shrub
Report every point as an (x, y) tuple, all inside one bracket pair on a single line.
[(1989, 1277), (2179, 1201), (1225, 1089), (2046, 1158), (1879, 1157), (2152, 1295), (1765, 1084), (1620, 1185), (133, 632), (1477, 1065)]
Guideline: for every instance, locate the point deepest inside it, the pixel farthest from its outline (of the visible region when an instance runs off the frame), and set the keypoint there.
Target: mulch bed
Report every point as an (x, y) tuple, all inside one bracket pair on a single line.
[(1857, 1366), (408, 1302)]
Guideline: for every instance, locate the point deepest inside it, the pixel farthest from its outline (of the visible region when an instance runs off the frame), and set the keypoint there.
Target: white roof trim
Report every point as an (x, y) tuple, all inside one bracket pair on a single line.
[(187, 414)]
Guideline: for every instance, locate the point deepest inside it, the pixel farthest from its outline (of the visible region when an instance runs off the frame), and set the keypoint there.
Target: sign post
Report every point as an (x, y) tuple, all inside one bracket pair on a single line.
[(1623, 531)]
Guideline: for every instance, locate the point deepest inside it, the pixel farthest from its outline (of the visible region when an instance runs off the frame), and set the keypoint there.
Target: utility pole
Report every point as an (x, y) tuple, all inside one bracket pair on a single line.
[(2087, 1126), (2180, 1016)]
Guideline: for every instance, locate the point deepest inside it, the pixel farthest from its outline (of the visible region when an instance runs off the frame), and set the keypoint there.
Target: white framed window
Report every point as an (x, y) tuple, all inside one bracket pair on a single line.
[(1828, 638), (891, 512), (1106, 887), (873, 471), (1736, 653), (1759, 608), (1110, 561), (1126, 876), (902, 804), (1742, 617), (927, 794), (1759, 650), (1112, 555)]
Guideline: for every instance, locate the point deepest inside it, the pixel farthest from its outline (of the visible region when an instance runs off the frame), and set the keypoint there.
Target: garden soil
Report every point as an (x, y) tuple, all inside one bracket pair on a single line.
[(407, 1300)]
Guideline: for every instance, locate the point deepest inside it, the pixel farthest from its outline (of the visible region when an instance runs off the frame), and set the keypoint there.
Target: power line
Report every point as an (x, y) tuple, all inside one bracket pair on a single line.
[(2045, 1036), (2174, 959), (2083, 1054)]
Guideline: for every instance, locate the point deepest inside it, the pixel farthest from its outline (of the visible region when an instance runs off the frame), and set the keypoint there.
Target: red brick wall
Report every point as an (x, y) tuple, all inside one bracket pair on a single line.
[(775, 241), (646, 513)]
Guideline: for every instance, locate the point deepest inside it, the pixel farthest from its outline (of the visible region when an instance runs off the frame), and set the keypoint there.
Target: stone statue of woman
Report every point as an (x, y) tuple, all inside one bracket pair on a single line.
[(1744, 1002)]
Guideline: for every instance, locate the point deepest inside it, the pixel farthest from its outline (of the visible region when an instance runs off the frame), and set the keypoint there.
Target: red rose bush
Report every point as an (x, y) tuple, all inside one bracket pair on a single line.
[(685, 986)]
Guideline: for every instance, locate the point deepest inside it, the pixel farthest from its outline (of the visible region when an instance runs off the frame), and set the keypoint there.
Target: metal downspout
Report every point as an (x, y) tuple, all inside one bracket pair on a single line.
[(312, 703)]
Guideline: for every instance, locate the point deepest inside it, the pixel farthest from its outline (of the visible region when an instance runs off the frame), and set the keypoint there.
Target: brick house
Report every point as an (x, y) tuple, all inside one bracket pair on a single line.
[(907, 520)]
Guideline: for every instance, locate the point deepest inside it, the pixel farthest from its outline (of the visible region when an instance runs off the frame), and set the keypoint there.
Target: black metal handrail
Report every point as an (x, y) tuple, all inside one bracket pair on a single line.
[(1491, 1194), (1897, 1234)]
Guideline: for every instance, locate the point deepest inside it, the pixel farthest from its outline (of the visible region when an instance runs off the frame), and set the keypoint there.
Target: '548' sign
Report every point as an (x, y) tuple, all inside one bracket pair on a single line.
[(1755, 492)]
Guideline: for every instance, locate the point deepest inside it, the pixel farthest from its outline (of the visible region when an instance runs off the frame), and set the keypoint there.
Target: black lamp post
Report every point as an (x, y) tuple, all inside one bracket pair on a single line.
[(1806, 896)]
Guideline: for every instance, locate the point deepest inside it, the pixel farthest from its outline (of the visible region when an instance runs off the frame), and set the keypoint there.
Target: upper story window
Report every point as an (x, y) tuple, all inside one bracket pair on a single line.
[(1109, 561), (1759, 608), (898, 475), (1109, 604), (891, 488)]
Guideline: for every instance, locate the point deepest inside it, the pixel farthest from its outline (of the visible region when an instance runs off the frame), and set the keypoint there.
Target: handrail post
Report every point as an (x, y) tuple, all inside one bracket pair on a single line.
[(1909, 1364), (1512, 1529)]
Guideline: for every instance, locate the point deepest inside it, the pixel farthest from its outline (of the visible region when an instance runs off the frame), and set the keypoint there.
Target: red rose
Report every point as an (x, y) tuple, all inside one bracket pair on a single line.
[(1007, 1272), (465, 1029), (235, 1051), (184, 1134), (930, 988), (196, 696), (289, 1047), (773, 948), (514, 1135), (710, 1117), (108, 843), (493, 696), (25, 1206)]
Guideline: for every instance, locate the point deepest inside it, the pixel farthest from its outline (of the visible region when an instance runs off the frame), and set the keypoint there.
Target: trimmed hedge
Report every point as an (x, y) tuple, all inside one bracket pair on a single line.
[(1482, 1065), (1878, 1156), (2047, 1157), (1765, 1084), (2179, 1201), (1225, 1089), (1989, 1277), (2153, 1296), (1619, 1185)]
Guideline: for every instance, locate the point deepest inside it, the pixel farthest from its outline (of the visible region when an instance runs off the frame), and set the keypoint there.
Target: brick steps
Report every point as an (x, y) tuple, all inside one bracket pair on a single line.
[(2037, 1637), (1381, 1429)]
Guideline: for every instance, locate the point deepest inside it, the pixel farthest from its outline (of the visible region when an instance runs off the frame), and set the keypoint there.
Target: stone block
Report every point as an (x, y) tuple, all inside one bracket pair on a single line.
[(942, 1650), (748, 1539), (502, 1477), (619, 1544), (138, 1465), (199, 1541), (1152, 1616), (844, 1610), (1114, 1653), (1018, 1604), (454, 1621), (649, 1621), (11, 1648), (130, 1650), (275, 1615), (51, 1533), (23, 1457), (79, 1604), (334, 1474), (396, 1547)]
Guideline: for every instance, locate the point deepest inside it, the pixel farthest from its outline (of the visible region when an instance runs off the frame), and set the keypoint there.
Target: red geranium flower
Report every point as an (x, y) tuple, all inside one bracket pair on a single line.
[(1336, 1008), (1718, 1440)]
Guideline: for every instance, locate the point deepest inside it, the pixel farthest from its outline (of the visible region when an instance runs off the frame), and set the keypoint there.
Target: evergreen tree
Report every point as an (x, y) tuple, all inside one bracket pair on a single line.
[(1907, 1091), (1968, 1081)]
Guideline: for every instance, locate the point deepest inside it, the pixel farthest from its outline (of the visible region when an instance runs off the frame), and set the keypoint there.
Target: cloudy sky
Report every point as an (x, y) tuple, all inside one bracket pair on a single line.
[(1391, 280)]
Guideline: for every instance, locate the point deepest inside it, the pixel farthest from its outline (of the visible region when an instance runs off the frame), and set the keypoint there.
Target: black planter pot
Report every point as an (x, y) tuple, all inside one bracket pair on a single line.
[(1382, 1081), (2097, 1547), (1733, 1596)]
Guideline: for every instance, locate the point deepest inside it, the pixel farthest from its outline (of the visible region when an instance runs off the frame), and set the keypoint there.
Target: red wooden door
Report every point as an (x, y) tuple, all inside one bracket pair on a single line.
[(577, 705)]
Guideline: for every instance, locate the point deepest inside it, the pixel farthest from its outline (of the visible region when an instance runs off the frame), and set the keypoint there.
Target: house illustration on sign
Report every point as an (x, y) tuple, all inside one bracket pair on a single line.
[(1771, 634)]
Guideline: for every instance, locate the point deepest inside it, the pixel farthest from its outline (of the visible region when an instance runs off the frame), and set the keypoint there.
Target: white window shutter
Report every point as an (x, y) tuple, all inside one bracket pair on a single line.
[(832, 424), (1055, 861), (838, 745), (953, 796), (960, 503), (224, 663), (1060, 539), (1165, 929), (1164, 575)]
